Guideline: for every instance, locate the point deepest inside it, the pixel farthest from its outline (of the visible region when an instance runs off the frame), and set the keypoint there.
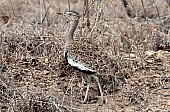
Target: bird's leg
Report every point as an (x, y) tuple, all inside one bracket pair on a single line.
[(100, 89), (88, 86)]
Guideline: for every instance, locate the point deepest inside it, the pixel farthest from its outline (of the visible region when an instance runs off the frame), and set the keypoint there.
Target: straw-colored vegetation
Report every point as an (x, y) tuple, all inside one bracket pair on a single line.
[(35, 78)]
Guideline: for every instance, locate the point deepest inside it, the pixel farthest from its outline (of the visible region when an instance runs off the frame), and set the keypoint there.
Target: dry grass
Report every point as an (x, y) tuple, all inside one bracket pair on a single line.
[(34, 77)]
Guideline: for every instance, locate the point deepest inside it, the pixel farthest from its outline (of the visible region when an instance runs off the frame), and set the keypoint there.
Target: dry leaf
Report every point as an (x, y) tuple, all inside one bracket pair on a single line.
[(3, 20), (150, 53), (45, 72)]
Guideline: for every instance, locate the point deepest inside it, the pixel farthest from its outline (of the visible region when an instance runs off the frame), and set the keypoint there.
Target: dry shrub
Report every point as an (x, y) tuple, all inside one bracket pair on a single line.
[(34, 76)]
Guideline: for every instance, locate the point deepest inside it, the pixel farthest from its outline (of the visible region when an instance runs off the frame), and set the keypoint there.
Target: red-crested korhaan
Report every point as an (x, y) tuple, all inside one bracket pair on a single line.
[(85, 57)]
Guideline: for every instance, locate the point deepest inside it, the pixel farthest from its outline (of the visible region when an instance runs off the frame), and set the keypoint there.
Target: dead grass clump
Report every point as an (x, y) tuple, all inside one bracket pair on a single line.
[(35, 77)]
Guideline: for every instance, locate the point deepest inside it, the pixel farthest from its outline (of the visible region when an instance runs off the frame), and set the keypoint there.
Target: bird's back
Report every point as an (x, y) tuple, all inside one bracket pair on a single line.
[(91, 57)]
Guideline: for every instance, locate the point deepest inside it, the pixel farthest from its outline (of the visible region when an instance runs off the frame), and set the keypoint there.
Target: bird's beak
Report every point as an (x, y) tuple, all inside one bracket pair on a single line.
[(59, 13)]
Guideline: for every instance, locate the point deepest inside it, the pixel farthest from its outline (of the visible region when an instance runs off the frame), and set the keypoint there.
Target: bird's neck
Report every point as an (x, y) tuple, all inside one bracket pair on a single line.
[(70, 33), (71, 29)]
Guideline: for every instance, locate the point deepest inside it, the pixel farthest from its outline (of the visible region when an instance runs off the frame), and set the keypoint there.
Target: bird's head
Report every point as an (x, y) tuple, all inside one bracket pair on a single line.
[(72, 15)]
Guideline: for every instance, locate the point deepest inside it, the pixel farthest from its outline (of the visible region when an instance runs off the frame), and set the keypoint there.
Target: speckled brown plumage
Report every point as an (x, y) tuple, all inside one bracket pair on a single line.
[(92, 57), (163, 44)]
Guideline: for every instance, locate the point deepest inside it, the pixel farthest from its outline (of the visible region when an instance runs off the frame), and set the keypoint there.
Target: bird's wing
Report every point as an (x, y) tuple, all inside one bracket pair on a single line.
[(88, 57), (79, 66)]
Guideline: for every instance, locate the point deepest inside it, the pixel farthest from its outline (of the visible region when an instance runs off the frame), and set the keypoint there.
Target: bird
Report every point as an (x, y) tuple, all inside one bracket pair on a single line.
[(84, 56)]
